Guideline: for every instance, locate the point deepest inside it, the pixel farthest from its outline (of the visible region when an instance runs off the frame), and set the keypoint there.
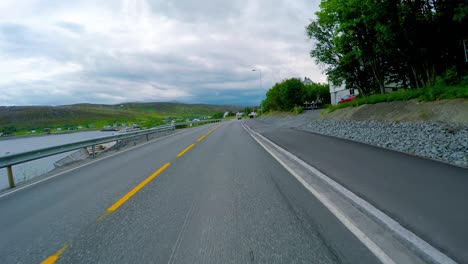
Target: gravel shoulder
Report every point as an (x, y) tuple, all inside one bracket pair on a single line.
[(448, 143), (436, 130)]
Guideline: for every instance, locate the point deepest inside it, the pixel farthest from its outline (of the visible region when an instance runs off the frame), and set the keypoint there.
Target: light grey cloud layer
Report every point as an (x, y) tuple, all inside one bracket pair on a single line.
[(109, 51)]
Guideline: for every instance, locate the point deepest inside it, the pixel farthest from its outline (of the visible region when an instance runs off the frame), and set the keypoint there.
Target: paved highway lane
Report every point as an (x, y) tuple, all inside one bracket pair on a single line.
[(36, 222), (224, 200), (427, 197)]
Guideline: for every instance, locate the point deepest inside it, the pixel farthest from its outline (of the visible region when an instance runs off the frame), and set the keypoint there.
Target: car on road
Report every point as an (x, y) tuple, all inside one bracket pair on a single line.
[(347, 98), (239, 116)]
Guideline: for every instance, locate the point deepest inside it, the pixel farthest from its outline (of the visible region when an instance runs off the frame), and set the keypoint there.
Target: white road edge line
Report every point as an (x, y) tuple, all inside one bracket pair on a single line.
[(409, 237), (374, 248), (72, 169)]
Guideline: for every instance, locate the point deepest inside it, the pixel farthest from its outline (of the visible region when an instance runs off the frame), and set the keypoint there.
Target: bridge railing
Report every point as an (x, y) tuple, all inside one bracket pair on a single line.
[(17, 158)]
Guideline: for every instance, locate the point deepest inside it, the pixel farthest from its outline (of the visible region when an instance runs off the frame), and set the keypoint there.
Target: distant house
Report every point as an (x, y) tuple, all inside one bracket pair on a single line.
[(338, 92), (307, 81)]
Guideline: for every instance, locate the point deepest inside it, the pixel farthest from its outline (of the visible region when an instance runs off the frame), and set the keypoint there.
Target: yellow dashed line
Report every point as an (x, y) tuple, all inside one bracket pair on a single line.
[(129, 195), (185, 150), (52, 259)]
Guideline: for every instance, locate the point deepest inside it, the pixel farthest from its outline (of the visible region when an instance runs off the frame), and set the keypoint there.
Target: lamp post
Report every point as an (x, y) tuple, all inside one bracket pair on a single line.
[(261, 104)]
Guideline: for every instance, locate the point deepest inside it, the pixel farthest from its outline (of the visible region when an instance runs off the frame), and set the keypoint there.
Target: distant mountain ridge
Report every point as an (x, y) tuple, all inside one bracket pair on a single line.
[(33, 117)]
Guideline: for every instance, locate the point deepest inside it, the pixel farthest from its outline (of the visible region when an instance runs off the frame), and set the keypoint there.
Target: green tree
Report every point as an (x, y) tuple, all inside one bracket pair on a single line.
[(283, 96), (316, 92), (217, 115), (371, 43), (8, 130)]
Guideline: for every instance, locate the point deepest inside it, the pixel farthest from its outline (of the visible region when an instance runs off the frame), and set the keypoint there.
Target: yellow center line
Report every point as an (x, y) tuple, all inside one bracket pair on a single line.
[(213, 129), (185, 150), (206, 134), (52, 259), (129, 195)]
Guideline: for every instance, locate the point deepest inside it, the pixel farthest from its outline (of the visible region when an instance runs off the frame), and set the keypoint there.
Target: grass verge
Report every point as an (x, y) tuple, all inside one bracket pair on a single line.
[(433, 93)]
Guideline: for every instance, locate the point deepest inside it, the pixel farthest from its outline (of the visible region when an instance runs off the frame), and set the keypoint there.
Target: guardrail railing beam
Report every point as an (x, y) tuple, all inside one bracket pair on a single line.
[(18, 158)]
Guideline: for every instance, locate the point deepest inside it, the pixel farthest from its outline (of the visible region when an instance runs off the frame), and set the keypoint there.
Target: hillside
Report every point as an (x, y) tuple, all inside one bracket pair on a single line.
[(99, 115), (454, 111)]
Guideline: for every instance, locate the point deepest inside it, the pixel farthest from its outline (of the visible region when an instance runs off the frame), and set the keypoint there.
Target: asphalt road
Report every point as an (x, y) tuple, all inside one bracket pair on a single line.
[(223, 200), (425, 196)]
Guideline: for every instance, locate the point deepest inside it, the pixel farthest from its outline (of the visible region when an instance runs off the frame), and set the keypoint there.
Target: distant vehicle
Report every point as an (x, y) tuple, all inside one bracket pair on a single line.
[(196, 120), (347, 98), (252, 115), (239, 115)]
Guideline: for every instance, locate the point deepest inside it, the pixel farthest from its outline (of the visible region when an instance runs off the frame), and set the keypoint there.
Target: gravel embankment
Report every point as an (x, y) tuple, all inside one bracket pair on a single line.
[(433, 140)]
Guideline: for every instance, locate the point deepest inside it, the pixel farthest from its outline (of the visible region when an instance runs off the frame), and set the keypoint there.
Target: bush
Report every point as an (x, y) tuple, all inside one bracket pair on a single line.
[(8, 130), (217, 115), (298, 109), (450, 77)]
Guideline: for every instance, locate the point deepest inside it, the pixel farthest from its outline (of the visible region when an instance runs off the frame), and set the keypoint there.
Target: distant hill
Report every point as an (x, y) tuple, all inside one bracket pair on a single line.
[(98, 115)]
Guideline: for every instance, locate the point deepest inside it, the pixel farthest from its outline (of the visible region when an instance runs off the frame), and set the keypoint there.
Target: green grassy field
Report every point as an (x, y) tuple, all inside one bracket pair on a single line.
[(23, 119), (434, 93)]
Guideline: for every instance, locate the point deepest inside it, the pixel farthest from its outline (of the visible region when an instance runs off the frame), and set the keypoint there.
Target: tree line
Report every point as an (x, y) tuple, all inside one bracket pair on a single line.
[(290, 93), (411, 43)]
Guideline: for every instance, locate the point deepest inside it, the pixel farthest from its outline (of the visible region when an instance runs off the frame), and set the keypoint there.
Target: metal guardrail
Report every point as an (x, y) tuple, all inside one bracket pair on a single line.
[(17, 158)]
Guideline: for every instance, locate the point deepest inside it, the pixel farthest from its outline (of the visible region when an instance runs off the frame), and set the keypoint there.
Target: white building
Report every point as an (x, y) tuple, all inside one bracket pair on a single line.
[(307, 81), (338, 92)]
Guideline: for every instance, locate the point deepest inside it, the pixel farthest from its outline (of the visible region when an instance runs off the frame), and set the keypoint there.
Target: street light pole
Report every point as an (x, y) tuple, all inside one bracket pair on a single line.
[(261, 104)]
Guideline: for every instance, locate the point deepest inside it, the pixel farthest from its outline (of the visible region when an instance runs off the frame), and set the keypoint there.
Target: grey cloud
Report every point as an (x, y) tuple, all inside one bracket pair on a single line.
[(233, 37), (72, 27)]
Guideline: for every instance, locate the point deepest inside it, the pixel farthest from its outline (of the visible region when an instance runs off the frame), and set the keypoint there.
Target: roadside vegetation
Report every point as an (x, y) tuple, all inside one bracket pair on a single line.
[(434, 93), (416, 46), (391, 43)]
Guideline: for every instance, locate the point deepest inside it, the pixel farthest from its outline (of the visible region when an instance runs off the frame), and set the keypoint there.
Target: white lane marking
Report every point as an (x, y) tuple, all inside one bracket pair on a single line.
[(421, 245), (374, 248), (72, 169)]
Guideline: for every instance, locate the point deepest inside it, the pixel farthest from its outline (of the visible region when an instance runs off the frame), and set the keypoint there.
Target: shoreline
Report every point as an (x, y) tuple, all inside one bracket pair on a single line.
[(45, 134)]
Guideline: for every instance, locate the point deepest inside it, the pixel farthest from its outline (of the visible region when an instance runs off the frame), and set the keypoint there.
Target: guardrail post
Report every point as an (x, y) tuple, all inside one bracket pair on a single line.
[(147, 139), (11, 180), (94, 151)]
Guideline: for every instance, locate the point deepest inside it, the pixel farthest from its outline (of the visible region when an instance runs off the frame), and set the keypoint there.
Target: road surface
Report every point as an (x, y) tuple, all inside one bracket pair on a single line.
[(425, 196), (223, 200)]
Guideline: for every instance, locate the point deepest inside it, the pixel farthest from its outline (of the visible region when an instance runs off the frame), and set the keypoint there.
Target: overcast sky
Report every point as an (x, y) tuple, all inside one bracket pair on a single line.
[(110, 51)]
